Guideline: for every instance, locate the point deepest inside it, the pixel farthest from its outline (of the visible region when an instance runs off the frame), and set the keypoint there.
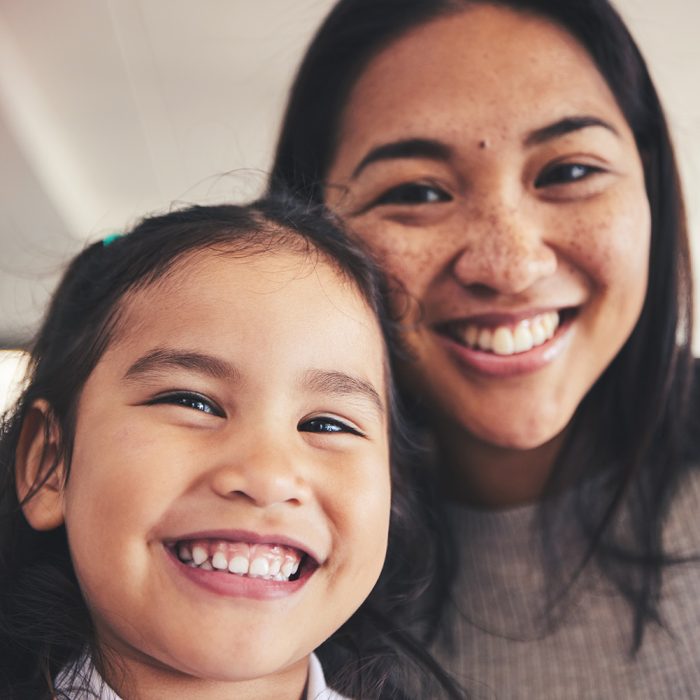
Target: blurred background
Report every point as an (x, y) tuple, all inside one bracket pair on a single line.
[(110, 109)]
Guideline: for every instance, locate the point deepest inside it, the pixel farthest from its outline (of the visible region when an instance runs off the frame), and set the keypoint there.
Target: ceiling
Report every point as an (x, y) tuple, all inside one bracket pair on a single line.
[(113, 108)]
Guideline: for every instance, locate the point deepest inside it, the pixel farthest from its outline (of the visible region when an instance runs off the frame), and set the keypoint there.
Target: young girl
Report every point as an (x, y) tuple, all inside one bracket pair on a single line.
[(197, 487)]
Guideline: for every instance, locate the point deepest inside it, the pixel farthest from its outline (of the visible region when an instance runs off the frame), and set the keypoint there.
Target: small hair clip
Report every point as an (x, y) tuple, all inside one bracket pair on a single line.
[(108, 240)]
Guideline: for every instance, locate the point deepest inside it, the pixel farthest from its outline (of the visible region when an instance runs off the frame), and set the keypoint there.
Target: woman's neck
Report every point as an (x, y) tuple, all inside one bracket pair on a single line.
[(490, 476)]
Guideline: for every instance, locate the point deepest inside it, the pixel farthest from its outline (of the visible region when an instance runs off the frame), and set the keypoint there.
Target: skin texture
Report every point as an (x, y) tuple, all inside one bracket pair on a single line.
[(243, 455), (499, 222)]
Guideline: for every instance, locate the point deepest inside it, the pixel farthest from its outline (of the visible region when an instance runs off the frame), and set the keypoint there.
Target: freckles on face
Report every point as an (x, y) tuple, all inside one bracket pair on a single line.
[(499, 182)]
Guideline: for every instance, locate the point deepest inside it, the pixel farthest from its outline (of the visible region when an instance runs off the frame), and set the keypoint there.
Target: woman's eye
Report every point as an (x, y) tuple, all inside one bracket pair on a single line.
[(196, 402), (324, 424), (564, 173), (414, 193)]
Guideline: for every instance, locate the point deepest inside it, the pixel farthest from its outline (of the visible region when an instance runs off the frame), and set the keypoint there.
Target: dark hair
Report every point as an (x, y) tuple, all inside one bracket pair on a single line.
[(634, 418), (45, 624)]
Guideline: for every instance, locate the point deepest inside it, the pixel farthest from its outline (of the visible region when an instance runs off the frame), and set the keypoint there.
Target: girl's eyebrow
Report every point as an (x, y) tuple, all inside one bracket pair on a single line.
[(566, 126), (342, 384), (163, 359), (325, 381), (406, 148)]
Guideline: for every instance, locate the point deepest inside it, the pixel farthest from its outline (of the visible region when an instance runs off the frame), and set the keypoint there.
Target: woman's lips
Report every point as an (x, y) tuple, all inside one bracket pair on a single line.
[(508, 347), (504, 338)]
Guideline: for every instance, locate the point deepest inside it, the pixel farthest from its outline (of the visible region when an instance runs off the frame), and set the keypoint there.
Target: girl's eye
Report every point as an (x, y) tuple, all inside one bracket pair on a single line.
[(564, 173), (189, 399), (324, 424), (414, 193)]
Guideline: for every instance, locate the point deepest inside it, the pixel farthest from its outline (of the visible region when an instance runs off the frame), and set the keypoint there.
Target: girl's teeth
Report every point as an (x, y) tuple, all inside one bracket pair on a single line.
[(238, 565), (259, 567), (510, 340), (271, 562), (219, 561), (275, 566), (199, 555), (289, 568)]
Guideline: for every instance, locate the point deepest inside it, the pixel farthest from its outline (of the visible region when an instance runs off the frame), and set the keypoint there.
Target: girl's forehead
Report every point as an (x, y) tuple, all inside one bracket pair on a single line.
[(230, 299)]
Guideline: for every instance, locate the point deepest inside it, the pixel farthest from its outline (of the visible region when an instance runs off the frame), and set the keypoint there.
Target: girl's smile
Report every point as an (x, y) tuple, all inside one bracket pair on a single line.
[(240, 563), (242, 399)]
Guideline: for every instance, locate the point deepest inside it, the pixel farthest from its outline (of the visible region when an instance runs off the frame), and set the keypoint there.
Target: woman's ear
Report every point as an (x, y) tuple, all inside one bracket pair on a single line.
[(38, 450)]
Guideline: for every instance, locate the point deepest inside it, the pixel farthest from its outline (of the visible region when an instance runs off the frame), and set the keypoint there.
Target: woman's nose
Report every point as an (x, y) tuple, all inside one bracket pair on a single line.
[(503, 251), (263, 474)]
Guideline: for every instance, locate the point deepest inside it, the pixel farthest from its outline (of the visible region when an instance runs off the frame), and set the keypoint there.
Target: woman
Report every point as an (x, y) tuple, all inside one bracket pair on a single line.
[(510, 165)]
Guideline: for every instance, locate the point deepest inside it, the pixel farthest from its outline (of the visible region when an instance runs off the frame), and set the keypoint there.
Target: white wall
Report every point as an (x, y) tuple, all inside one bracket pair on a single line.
[(12, 366)]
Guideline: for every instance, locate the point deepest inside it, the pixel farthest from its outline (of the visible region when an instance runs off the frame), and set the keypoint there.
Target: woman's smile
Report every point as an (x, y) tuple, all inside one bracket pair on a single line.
[(502, 347)]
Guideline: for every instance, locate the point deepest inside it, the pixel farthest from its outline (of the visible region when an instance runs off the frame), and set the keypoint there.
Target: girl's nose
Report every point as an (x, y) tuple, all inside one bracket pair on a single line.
[(263, 474), (503, 251)]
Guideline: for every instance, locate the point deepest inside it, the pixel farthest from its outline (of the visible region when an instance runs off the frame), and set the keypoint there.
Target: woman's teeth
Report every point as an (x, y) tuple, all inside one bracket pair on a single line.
[(266, 561), (510, 340)]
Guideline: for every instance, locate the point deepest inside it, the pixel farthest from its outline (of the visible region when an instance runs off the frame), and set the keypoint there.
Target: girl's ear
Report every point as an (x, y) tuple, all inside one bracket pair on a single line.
[(38, 450)]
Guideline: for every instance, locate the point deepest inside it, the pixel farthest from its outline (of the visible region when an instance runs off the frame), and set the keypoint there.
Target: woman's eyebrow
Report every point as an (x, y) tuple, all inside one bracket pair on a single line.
[(407, 148), (164, 359), (566, 126), (341, 384)]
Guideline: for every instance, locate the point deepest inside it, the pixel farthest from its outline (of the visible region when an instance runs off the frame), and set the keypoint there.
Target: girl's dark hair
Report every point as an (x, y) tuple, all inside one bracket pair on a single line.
[(633, 421), (45, 624)]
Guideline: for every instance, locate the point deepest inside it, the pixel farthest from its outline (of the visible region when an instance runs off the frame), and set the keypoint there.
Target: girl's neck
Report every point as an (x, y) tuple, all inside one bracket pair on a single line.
[(478, 473), (140, 678)]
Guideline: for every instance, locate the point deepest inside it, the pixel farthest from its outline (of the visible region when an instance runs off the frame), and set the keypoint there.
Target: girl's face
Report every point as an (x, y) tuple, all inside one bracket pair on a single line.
[(485, 160), (228, 502)]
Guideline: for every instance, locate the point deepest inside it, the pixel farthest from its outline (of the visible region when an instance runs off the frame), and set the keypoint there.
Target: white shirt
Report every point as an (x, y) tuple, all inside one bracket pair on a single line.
[(92, 687)]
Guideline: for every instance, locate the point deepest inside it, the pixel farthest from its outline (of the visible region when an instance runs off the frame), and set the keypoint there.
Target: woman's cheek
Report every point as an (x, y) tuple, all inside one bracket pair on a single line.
[(409, 255), (611, 246)]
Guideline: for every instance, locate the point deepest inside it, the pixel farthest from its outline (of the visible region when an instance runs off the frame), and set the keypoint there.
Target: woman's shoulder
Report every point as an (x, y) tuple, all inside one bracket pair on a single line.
[(691, 443)]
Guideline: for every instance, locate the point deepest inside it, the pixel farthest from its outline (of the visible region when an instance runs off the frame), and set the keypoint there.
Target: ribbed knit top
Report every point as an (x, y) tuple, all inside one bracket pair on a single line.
[(503, 648)]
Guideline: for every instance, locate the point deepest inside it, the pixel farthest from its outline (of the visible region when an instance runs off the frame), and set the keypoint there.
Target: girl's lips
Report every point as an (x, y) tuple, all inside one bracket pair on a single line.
[(248, 536), (453, 335), (224, 583)]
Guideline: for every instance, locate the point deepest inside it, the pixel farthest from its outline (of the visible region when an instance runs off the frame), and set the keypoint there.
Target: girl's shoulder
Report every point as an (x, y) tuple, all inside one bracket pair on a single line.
[(82, 681), (317, 689)]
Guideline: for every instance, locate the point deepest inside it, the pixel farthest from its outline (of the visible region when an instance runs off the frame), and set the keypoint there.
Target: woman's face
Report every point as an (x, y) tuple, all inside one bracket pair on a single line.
[(485, 160)]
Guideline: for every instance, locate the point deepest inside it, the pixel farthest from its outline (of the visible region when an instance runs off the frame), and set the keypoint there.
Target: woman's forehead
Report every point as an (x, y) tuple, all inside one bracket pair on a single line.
[(487, 67)]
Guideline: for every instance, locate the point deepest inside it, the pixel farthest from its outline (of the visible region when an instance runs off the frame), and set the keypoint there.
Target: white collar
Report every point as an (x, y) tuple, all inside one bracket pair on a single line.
[(89, 685)]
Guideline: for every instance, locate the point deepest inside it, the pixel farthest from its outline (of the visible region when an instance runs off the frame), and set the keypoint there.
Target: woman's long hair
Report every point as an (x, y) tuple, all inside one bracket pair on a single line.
[(634, 420), (45, 625)]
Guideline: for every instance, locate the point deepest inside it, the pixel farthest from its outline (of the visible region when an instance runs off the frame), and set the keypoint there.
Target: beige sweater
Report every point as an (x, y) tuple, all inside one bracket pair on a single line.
[(504, 650)]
